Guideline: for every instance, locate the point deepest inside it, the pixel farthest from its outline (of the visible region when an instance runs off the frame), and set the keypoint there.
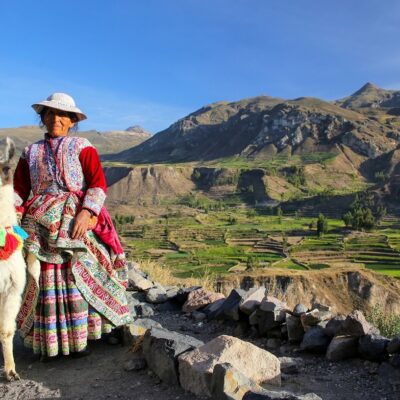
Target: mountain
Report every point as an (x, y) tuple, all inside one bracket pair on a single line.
[(262, 127), (371, 96), (105, 142)]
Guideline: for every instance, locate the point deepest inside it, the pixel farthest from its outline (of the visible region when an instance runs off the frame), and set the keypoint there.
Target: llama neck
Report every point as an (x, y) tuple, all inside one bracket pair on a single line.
[(7, 210)]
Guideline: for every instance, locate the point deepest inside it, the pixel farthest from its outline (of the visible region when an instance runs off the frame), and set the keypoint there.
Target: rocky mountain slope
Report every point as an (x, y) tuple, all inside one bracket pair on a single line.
[(371, 96), (261, 127), (105, 142), (299, 147)]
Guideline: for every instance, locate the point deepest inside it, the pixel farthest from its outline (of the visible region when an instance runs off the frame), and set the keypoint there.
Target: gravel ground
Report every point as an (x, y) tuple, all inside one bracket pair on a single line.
[(98, 376), (102, 375)]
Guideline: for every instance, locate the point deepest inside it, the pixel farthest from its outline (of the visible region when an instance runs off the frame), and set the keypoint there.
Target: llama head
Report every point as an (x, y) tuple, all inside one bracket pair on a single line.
[(7, 151)]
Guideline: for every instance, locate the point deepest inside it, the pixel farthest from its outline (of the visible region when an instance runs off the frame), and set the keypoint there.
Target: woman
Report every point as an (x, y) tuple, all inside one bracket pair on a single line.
[(60, 189)]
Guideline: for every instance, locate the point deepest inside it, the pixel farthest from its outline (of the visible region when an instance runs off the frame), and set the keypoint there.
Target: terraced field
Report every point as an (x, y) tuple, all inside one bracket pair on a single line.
[(220, 242)]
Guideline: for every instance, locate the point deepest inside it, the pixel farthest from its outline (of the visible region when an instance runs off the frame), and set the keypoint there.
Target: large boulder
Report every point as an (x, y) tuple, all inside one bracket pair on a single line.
[(314, 317), (373, 347), (137, 282), (134, 331), (299, 309), (295, 328), (161, 349), (253, 299), (183, 293), (356, 325), (230, 308), (271, 395), (196, 367), (334, 325), (227, 383), (342, 347), (271, 314), (230, 384), (200, 298), (157, 295), (214, 310), (315, 340)]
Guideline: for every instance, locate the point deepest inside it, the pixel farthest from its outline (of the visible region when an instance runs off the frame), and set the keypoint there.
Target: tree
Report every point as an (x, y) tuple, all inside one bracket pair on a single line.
[(347, 219), (279, 213), (322, 225)]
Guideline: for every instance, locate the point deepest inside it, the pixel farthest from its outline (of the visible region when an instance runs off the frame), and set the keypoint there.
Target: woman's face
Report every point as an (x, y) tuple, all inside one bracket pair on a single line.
[(58, 123)]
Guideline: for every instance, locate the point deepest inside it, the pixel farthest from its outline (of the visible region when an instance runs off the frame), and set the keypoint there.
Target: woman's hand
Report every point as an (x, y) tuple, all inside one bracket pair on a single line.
[(81, 224)]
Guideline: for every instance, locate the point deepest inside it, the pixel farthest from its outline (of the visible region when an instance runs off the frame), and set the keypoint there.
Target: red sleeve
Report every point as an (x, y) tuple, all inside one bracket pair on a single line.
[(22, 182), (92, 169)]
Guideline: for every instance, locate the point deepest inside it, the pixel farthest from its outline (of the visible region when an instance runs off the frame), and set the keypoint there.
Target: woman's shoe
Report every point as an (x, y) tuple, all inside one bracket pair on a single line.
[(83, 353)]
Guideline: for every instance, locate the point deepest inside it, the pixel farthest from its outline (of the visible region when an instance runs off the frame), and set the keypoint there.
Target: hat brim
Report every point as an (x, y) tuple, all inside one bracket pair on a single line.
[(38, 107)]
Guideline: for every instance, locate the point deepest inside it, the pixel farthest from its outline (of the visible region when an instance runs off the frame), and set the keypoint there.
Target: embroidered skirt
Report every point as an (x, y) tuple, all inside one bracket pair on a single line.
[(63, 320), (96, 276)]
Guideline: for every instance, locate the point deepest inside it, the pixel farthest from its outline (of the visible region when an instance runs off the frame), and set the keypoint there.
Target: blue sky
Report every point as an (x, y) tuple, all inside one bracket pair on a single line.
[(152, 62)]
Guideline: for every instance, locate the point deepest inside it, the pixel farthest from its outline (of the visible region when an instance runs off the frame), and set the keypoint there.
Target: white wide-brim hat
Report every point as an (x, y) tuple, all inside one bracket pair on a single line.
[(60, 101)]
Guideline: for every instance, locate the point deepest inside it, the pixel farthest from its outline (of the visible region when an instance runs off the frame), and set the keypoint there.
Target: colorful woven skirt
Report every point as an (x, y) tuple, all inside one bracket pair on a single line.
[(63, 320)]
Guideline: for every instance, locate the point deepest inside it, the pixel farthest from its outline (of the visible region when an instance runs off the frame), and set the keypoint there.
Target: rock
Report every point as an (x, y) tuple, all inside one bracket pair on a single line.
[(271, 314), (230, 308), (299, 309), (200, 298), (315, 340), (290, 365), (227, 383), (271, 395), (172, 292), (342, 347), (252, 300), (156, 295), (134, 331), (321, 307), (295, 329), (394, 345), (253, 318), (144, 310), (314, 317), (334, 325), (373, 347), (196, 367), (135, 364), (270, 303), (161, 349), (183, 293), (356, 325), (198, 316), (214, 310), (137, 282)]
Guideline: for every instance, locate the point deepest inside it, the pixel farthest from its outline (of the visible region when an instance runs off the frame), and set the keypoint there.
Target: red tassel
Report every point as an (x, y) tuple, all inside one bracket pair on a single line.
[(10, 246)]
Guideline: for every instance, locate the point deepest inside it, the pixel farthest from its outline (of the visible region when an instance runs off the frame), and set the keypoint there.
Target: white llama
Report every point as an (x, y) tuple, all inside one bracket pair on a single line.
[(12, 269)]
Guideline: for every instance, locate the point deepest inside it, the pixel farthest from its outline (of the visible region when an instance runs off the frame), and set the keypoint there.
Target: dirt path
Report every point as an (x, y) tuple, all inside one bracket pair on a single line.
[(98, 376)]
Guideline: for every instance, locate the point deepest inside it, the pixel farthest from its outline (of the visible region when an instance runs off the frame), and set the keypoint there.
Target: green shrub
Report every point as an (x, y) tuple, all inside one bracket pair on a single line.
[(387, 323)]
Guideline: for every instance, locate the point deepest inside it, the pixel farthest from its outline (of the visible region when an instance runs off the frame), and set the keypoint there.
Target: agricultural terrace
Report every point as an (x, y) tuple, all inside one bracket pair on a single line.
[(239, 239)]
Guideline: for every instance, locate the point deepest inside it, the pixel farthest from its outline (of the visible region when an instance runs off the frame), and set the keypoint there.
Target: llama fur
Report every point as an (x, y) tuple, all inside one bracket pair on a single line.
[(12, 276)]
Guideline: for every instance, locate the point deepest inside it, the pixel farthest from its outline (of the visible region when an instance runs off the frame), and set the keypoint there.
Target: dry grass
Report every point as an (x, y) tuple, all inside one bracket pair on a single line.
[(165, 277)]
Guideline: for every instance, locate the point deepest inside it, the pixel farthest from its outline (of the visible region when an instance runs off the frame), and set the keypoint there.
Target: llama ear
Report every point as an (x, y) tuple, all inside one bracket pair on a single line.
[(10, 149)]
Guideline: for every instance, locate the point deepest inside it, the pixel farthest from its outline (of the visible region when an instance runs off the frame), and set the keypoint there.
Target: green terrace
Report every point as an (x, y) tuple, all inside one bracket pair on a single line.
[(219, 242)]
